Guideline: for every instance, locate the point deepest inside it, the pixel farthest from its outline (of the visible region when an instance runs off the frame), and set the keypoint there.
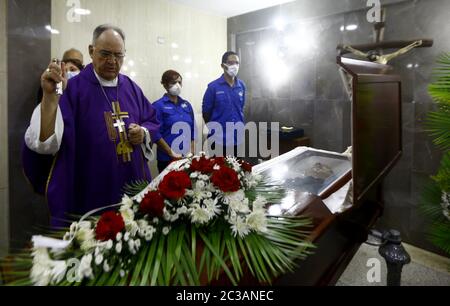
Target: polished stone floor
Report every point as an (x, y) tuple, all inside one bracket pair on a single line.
[(425, 269)]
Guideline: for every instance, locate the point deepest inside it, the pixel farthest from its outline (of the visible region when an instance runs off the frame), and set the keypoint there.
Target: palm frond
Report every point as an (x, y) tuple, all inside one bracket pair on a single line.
[(132, 189), (439, 235), (438, 125), (440, 88)]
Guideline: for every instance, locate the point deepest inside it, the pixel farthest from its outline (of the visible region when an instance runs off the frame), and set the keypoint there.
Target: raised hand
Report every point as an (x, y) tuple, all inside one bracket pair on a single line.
[(54, 74)]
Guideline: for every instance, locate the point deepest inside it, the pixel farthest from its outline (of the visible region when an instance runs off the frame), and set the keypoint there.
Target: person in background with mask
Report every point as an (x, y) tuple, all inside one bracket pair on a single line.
[(223, 103), (74, 62), (172, 109)]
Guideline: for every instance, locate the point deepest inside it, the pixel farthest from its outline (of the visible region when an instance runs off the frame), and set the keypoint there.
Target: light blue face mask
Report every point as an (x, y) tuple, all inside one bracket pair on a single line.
[(71, 74)]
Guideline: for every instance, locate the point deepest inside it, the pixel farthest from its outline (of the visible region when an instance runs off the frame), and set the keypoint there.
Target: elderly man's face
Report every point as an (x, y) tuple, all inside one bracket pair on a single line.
[(107, 54)]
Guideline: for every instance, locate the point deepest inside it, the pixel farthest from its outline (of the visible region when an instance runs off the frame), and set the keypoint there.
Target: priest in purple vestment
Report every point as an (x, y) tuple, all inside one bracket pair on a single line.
[(83, 146)]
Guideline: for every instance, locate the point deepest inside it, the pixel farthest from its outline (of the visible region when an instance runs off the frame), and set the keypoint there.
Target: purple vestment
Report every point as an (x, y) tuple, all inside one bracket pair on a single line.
[(87, 173)]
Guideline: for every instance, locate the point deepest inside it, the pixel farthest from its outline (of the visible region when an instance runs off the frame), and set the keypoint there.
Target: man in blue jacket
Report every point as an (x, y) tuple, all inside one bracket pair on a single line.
[(223, 108)]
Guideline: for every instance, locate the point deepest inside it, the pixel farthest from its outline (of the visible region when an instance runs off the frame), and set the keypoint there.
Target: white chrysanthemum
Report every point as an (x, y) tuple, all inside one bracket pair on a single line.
[(147, 231), (119, 247), (148, 235), (109, 244), (84, 234), (84, 225), (166, 230), (127, 214), (85, 269), (194, 174), (200, 185), (58, 271), (132, 228), (132, 246), (106, 266), (234, 164), (203, 177), (251, 180), (142, 223), (198, 195), (119, 236), (137, 243), (73, 228), (212, 207), (237, 201), (234, 196), (127, 201), (239, 227), (211, 188), (88, 245), (41, 272), (98, 259), (257, 221), (259, 203), (126, 237), (182, 210), (166, 215), (199, 215), (257, 177)]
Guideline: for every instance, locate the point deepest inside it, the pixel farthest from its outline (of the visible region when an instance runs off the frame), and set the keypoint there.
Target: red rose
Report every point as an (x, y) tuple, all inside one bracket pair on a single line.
[(246, 166), (152, 204), (174, 184), (219, 160), (203, 165), (109, 225), (226, 179)]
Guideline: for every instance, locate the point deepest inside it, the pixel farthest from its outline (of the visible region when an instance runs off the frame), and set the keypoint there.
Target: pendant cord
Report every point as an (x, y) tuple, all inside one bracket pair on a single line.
[(106, 96)]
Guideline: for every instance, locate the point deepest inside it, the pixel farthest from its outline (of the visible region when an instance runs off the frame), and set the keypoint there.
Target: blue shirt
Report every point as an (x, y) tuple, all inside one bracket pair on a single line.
[(223, 104), (169, 113)]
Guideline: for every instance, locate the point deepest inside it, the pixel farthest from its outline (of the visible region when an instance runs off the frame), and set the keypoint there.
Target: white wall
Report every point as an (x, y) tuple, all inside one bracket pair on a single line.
[(4, 224)]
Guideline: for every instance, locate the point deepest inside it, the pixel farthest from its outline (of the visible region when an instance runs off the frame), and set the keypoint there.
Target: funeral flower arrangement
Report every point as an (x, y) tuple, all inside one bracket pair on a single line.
[(201, 219)]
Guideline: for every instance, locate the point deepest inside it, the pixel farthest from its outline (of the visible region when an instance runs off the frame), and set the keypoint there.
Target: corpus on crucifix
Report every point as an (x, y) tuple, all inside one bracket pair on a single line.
[(373, 52)]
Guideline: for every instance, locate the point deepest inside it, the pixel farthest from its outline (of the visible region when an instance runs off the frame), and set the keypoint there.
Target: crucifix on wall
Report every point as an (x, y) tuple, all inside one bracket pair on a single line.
[(374, 52)]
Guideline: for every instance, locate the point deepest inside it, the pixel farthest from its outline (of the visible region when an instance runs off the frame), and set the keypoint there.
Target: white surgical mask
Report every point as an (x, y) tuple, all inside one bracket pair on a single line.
[(71, 74), (232, 70), (175, 90)]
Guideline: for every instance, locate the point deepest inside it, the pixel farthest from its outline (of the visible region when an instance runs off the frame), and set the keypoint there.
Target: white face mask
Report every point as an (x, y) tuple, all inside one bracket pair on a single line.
[(71, 74), (175, 90), (232, 70)]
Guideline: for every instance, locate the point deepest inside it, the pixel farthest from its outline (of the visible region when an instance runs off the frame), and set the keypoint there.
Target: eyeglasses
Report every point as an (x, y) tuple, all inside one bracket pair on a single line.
[(110, 55)]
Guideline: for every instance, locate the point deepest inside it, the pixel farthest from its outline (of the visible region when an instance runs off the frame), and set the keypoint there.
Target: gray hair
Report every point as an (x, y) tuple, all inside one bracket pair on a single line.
[(105, 27)]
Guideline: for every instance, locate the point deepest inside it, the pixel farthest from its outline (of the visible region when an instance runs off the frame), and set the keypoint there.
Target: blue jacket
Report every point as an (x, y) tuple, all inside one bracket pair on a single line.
[(223, 104), (169, 113)]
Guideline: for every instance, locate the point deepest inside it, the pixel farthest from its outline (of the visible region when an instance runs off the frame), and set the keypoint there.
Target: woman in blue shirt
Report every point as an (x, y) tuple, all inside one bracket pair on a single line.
[(177, 113)]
